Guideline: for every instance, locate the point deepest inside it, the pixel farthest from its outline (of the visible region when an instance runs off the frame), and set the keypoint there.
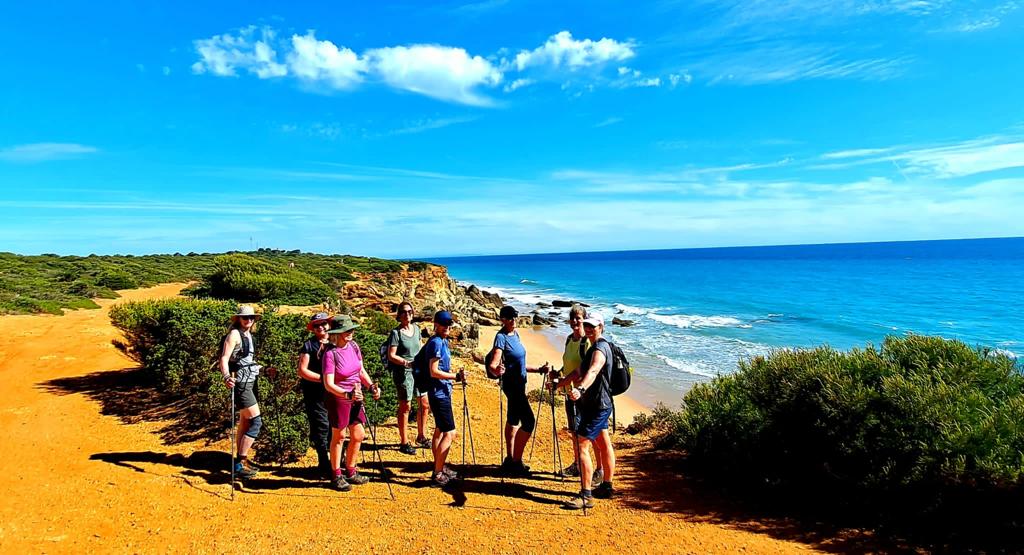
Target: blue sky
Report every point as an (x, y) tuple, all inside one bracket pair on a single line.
[(506, 126)]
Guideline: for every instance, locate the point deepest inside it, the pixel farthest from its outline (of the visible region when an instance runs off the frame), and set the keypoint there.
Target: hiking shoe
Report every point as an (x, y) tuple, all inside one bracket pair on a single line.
[(578, 502), (452, 475), (441, 479), (598, 478), (356, 478), (604, 491), (517, 468), (423, 442), (406, 449), (571, 470), (243, 472), (340, 484)]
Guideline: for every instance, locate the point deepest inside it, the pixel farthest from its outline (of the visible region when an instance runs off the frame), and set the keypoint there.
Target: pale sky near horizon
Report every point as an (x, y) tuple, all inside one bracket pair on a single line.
[(506, 126)]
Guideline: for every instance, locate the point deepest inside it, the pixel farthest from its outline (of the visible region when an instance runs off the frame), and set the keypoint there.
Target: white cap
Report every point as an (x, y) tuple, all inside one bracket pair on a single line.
[(594, 319)]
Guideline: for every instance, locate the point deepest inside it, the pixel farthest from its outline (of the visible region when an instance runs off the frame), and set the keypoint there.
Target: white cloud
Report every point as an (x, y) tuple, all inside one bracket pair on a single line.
[(41, 152), (441, 72), (315, 61), (855, 153), (224, 55), (518, 84), (967, 158), (561, 50), (675, 78), (785, 63), (429, 124), (166, 70), (608, 121)]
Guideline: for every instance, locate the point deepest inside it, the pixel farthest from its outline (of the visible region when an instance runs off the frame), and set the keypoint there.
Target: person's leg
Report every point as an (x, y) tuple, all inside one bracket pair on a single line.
[(443, 447), (586, 465), (246, 435), (421, 418), (527, 421), (319, 428), (403, 422), (337, 436), (607, 454), (356, 435)]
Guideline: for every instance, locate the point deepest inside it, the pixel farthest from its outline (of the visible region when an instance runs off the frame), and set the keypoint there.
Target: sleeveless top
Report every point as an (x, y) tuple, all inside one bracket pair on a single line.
[(243, 358)]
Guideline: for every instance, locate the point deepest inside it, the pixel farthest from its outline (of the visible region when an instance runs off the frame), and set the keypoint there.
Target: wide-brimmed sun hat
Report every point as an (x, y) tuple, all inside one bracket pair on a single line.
[(341, 324), (318, 318), (245, 310)]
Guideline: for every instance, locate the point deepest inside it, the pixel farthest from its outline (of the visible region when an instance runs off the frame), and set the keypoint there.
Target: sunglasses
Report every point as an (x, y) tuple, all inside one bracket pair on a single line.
[(324, 325), (407, 311), (246, 317)]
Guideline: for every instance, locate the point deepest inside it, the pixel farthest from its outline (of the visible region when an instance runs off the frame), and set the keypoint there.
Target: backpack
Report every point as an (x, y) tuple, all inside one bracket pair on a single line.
[(421, 371), (621, 373), (383, 350)]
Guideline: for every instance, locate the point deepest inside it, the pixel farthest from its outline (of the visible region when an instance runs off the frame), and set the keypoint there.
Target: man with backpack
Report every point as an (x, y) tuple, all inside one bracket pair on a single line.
[(593, 398)]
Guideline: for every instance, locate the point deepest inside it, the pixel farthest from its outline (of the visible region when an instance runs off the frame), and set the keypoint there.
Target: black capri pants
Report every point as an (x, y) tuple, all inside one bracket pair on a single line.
[(519, 411)]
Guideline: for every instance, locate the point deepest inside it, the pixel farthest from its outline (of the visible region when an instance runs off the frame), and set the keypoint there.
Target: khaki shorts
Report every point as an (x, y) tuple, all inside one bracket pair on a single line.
[(404, 384)]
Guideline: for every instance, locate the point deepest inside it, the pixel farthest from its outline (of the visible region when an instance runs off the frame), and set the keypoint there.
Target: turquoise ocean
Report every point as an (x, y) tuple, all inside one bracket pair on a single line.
[(698, 311)]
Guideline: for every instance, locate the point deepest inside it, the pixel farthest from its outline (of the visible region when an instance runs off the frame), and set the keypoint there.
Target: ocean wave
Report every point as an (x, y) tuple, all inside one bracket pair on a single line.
[(627, 309), (1006, 353), (525, 281), (687, 367), (690, 321)]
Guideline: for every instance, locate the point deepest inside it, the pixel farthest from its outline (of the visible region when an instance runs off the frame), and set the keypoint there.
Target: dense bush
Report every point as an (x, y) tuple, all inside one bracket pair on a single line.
[(248, 279), (176, 341), (922, 425)]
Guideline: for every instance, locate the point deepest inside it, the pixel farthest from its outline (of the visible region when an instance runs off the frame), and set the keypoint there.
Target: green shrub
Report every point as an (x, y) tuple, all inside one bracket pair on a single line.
[(248, 279), (922, 425), (116, 278)]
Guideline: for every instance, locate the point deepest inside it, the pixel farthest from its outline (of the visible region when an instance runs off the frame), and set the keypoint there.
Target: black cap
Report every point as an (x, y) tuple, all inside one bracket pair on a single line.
[(508, 313)]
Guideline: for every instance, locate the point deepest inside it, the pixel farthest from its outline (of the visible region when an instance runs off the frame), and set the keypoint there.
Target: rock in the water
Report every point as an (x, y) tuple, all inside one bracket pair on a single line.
[(539, 320), (622, 322), (543, 304), (561, 304)]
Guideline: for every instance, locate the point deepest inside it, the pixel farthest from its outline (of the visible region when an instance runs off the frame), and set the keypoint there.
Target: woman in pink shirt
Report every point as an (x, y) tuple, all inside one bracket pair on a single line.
[(344, 378)]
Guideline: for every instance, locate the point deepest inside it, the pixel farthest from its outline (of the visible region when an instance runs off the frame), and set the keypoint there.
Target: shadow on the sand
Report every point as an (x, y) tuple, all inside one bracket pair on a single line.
[(128, 395), (653, 483)]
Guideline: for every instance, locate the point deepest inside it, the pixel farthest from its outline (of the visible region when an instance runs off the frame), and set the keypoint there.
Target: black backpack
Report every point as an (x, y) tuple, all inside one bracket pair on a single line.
[(421, 371), (621, 372)]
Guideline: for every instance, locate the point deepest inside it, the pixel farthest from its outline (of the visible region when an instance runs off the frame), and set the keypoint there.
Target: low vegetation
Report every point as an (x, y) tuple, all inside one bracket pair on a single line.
[(50, 283), (922, 429)]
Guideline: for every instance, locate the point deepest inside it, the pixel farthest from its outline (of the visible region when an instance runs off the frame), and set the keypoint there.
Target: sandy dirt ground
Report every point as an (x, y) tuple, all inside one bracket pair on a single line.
[(86, 466)]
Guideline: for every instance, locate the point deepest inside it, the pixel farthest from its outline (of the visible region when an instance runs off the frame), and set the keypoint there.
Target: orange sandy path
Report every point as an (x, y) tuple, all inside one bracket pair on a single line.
[(58, 499)]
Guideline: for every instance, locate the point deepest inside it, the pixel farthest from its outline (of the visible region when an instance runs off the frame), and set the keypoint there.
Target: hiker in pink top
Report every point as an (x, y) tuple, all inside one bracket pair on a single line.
[(344, 378)]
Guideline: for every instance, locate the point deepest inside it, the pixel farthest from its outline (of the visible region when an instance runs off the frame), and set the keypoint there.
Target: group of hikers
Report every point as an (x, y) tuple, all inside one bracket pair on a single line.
[(333, 380)]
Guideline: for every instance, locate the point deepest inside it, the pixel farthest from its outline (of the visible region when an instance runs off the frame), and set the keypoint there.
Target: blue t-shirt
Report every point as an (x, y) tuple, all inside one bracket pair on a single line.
[(513, 354), (437, 347)]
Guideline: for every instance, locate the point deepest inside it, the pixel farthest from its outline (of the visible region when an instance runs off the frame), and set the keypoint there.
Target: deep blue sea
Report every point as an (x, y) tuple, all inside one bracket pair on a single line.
[(698, 311)]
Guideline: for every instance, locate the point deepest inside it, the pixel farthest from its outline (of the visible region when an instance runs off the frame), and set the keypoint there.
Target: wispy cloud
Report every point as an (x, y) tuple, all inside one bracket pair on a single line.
[(945, 161), (608, 121), (429, 124), (42, 152), (782, 63)]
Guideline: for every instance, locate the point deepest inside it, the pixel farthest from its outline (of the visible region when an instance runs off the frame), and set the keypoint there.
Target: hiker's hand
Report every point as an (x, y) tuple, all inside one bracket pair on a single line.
[(229, 382), (376, 392), (272, 372), (574, 394), (357, 395), (501, 369), (460, 376)]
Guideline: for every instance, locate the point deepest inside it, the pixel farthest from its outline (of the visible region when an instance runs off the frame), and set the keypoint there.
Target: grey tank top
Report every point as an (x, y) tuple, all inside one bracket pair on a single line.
[(243, 359)]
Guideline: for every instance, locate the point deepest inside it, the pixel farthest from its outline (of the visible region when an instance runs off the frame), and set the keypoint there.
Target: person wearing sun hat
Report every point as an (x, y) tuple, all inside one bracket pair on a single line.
[(344, 378), (239, 368), (310, 372)]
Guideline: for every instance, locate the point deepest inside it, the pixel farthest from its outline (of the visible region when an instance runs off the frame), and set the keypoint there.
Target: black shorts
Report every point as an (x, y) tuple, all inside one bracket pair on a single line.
[(444, 419), (246, 394), (520, 413)]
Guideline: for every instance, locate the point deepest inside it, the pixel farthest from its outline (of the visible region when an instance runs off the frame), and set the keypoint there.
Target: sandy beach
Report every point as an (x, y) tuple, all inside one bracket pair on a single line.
[(94, 461)]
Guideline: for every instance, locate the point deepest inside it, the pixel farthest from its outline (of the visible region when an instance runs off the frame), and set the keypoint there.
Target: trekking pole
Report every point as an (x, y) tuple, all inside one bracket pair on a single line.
[(465, 418), (556, 449), (468, 424), (576, 447), (540, 399), (376, 450), (501, 428), (233, 440)]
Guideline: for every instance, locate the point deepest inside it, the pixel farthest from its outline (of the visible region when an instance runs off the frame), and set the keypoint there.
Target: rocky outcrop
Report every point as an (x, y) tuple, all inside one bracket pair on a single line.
[(429, 288), (623, 322)]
